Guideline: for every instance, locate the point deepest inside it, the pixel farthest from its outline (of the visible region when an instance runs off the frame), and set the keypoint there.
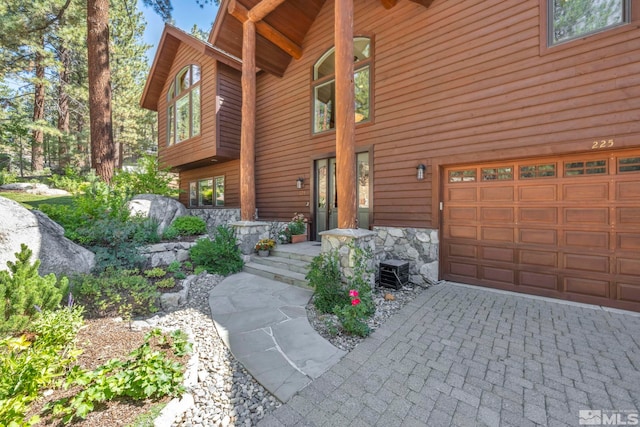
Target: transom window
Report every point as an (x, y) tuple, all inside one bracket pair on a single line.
[(183, 110), (571, 19), (324, 86), (207, 192)]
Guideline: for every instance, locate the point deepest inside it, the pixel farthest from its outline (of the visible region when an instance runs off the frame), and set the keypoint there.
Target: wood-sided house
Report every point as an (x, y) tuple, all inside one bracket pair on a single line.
[(490, 142)]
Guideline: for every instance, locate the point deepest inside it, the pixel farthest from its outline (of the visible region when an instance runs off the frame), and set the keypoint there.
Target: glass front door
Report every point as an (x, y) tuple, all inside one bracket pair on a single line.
[(326, 197)]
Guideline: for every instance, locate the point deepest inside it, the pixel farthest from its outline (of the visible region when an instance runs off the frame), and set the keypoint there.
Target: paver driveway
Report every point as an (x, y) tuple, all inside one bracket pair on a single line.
[(466, 356)]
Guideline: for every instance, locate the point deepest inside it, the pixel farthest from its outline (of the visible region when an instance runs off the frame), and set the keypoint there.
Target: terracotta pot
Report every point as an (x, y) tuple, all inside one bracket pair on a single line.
[(297, 238)]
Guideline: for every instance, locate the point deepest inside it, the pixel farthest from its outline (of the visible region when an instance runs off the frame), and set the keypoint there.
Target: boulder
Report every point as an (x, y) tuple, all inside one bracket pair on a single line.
[(162, 209), (44, 237), (32, 188)]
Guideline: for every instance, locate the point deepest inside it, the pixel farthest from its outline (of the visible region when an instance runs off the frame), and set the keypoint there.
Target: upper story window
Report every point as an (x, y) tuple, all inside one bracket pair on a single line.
[(324, 85), (183, 105), (571, 19)]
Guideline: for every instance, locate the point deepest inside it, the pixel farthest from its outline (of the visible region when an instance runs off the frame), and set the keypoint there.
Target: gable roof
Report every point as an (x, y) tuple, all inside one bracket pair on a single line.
[(290, 22), (170, 41)]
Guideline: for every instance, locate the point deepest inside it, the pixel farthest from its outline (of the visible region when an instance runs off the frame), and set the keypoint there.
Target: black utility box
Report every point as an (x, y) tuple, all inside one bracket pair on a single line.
[(394, 273)]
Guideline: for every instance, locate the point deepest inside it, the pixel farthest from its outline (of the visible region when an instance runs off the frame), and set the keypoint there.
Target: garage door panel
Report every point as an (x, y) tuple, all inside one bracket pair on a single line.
[(462, 213), (540, 258), (595, 263), (540, 215), (542, 193), (598, 216), (460, 194), (628, 292), (498, 254), (628, 241), (463, 269), (501, 215), (586, 239), (497, 274), (629, 266), (496, 194), (586, 192), (538, 280), (578, 285), (497, 234), (463, 251), (626, 191), (539, 236), (463, 232), (628, 216)]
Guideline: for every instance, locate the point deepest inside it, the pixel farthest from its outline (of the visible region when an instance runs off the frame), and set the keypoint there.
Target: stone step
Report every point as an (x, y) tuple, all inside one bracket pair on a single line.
[(277, 251), (275, 273), (295, 265)]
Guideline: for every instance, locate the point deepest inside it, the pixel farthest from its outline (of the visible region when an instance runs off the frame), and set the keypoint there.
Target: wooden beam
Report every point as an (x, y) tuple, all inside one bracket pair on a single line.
[(388, 4), (265, 30), (262, 9), (345, 116), (425, 3), (248, 129)]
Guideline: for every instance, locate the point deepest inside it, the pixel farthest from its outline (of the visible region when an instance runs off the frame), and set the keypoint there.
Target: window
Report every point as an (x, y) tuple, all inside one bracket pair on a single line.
[(324, 88), (630, 164), (183, 110), (499, 174), (207, 192), (538, 171), (594, 167), (467, 175), (571, 19)]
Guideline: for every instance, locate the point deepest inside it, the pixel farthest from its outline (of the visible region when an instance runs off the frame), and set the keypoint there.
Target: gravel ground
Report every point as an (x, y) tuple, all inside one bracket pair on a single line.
[(225, 394)]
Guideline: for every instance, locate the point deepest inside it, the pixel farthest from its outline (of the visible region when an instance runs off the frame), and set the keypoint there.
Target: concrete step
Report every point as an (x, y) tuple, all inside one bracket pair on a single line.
[(283, 253), (295, 265), (275, 273)]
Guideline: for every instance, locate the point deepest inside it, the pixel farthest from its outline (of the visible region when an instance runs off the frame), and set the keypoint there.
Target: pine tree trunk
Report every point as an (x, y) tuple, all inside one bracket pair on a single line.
[(37, 154), (102, 146), (63, 109)]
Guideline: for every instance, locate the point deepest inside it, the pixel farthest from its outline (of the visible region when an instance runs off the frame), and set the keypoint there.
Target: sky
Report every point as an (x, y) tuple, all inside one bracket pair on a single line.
[(185, 14)]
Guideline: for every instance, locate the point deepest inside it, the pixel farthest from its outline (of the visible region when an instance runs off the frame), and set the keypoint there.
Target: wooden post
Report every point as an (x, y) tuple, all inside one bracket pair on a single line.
[(248, 130), (345, 116)]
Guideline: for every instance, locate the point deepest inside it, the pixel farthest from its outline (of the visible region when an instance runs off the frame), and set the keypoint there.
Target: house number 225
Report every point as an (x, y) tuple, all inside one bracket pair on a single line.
[(604, 143)]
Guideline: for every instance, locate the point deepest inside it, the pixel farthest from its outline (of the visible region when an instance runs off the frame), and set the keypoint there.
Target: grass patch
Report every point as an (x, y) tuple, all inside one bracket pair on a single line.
[(33, 201)]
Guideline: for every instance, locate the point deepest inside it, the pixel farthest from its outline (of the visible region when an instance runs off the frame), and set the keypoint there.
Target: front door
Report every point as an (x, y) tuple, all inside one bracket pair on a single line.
[(326, 197)]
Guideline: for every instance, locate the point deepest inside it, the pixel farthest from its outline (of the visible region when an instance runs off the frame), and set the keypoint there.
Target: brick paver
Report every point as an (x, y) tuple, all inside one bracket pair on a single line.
[(466, 356)]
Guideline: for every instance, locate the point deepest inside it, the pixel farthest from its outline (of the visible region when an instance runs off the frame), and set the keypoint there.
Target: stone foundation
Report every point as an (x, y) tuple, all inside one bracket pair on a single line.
[(419, 246), (216, 217), (343, 241), (248, 233)]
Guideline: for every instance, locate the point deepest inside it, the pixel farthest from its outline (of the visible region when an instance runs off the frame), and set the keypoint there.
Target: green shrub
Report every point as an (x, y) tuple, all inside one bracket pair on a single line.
[(69, 180), (358, 279), (170, 233), (27, 368), (102, 295), (220, 255), (148, 179), (7, 177), (324, 278), (155, 272), (174, 266), (146, 374), (23, 292), (186, 226), (167, 283)]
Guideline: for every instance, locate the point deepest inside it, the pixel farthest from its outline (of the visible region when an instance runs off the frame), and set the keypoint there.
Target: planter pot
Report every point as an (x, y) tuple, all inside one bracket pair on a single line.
[(263, 253), (297, 238)]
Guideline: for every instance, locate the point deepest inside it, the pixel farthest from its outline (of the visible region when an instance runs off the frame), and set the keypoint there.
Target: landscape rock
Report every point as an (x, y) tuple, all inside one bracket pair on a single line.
[(36, 188), (162, 209), (44, 237)]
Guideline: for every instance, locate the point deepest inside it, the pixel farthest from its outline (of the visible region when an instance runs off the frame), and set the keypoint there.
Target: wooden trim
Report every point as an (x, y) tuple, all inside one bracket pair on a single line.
[(265, 30), (248, 133), (262, 9), (425, 3)]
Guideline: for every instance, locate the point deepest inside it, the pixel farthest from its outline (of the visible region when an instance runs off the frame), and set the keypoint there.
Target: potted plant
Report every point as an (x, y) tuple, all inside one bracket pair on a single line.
[(298, 228), (264, 246)]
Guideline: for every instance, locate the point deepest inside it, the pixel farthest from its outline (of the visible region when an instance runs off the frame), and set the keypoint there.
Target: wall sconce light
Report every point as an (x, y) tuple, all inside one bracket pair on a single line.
[(420, 171), (299, 183)]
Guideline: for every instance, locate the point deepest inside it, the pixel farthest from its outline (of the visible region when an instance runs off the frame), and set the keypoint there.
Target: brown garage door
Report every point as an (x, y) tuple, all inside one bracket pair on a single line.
[(563, 227)]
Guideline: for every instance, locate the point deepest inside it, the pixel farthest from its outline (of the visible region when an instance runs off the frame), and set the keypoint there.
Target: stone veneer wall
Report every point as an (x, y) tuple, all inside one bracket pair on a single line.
[(216, 217), (166, 253), (419, 246)]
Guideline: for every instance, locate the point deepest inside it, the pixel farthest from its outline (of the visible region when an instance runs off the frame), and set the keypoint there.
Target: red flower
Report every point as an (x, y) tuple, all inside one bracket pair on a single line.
[(355, 301), (353, 293)]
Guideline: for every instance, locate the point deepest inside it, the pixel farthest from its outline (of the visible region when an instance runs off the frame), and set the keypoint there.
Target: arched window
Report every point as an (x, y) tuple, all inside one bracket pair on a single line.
[(183, 110), (324, 85)]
